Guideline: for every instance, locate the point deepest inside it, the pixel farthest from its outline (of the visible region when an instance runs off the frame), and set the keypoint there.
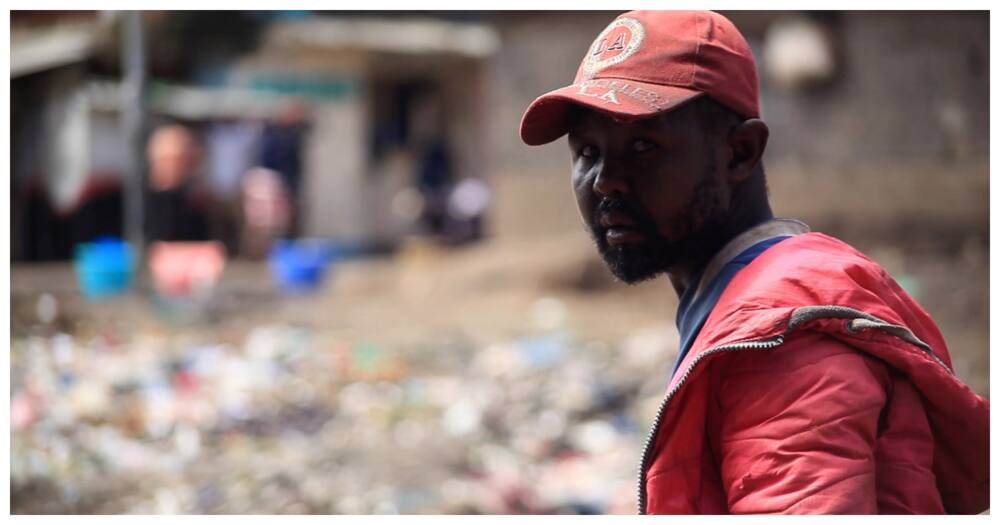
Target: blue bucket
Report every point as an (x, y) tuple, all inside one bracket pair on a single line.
[(104, 268), (300, 266)]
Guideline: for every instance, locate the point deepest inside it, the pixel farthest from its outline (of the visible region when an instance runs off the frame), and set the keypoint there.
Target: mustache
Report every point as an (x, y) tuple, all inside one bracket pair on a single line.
[(641, 218)]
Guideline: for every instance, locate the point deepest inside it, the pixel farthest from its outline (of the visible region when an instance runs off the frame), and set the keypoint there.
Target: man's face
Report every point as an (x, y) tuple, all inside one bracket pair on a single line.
[(652, 192)]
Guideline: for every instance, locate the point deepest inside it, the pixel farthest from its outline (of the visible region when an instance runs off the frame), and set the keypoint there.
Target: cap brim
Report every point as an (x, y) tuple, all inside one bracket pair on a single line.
[(546, 119)]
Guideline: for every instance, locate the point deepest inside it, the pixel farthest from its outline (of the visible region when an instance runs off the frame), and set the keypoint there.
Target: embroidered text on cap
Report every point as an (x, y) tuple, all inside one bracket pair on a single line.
[(620, 40)]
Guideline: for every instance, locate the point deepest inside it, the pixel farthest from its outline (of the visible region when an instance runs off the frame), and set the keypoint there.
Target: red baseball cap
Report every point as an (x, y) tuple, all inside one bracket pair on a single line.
[(649, 62)]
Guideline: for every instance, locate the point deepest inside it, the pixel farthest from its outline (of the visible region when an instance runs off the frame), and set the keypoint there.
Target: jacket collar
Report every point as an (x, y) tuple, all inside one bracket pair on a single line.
[(736, 245)]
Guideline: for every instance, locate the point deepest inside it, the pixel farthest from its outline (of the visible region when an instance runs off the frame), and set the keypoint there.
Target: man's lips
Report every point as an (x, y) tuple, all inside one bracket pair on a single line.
[(620, 228), (621, 235), (616, 219)]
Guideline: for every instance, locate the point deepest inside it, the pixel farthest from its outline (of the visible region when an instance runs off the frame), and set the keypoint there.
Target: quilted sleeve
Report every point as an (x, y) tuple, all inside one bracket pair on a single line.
[(796, 428)]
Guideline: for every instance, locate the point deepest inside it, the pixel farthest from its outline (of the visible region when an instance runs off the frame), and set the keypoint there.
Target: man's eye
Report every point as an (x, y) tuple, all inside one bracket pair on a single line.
[(588, 152), (642, 146)]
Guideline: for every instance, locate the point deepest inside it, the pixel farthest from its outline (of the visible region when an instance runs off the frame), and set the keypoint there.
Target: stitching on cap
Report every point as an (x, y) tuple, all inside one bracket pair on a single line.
[(697, 52)]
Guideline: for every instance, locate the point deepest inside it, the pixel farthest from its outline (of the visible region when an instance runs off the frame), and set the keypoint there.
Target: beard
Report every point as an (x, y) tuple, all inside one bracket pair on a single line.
[(698, 232)]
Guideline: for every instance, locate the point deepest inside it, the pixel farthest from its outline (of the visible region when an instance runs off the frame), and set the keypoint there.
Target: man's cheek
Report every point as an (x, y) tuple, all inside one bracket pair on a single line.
[(679, 225), (581, 181), (704, 202), (582, 204)]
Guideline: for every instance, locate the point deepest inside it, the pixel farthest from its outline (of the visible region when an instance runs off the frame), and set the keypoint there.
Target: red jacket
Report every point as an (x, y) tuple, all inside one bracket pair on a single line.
[(817, 385)]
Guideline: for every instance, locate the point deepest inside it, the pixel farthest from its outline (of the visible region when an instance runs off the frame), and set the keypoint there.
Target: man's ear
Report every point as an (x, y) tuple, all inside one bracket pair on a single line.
[(747, 141)]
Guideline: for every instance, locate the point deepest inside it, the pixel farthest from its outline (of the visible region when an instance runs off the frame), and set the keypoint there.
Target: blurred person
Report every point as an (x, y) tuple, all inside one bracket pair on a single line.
[(808, 380), (178, 204), (435, 175), (267, 211), (51, 232), (468, 202), (232, 148), (281, 150)]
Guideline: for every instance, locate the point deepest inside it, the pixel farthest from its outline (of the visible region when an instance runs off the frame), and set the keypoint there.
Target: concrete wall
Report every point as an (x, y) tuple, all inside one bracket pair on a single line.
[(334, 178)]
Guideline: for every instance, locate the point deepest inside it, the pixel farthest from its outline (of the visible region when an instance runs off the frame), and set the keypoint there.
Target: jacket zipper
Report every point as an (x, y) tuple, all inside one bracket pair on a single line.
[(761, 344)]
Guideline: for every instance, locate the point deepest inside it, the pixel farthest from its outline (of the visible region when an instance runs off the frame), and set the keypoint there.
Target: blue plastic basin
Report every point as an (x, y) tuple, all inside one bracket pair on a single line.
[(300, 266), (104, 268)]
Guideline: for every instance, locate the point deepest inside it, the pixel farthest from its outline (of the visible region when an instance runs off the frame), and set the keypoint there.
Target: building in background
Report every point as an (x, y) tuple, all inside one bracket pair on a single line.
[(391, 118), (398, 105), (59, 149)]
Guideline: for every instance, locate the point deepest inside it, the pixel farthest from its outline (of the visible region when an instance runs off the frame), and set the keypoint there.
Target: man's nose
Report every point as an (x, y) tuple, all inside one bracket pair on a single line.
[(609, 181)]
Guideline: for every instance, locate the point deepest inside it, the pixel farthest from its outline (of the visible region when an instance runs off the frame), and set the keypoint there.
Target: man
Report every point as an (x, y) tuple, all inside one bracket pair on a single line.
[(178, 206), (281, 151), (808, 381)]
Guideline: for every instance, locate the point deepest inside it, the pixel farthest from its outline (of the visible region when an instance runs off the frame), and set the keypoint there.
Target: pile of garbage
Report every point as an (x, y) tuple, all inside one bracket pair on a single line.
[(297, 419)]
